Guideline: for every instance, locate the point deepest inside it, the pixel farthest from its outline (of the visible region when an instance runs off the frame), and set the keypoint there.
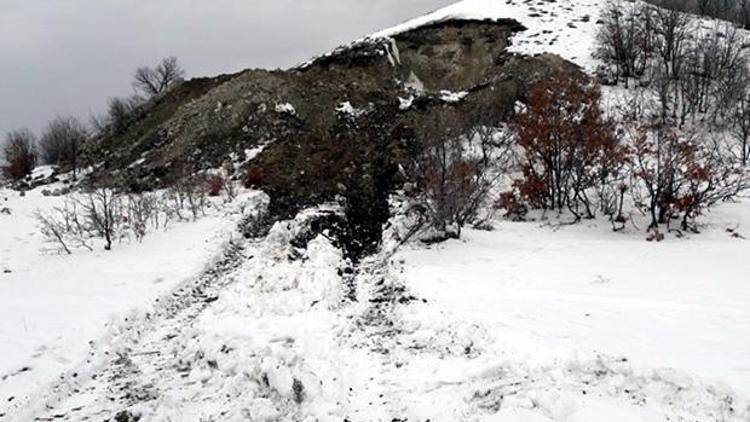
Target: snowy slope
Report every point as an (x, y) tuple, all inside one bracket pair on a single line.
[(562, 27), (582, 291)]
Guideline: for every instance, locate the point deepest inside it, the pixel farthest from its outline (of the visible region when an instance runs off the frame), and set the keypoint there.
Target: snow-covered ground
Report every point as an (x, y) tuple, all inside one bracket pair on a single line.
[(52, 306), (528, 322), (555, 298)]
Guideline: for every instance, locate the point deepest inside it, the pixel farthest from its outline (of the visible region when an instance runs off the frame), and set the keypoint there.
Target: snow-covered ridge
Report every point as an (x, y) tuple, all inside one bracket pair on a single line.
[(563, 27)]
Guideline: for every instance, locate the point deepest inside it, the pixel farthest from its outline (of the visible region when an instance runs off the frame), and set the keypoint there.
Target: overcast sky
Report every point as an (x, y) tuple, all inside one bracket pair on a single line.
[(69, 56)]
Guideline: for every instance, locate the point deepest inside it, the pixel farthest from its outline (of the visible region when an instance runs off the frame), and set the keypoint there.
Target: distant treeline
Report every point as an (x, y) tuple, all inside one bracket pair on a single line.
[(737, 11)]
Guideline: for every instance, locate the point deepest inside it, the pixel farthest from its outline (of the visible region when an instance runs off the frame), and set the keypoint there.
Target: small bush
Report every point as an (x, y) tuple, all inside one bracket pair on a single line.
[(454, 176), (216, 184), (254, 178), (20, 154), (514, 207), (678, 176)]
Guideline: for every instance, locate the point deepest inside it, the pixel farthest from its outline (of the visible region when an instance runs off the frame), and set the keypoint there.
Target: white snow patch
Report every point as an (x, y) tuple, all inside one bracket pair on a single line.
[(251, 153), (405, 103), (452, 97), (137, 163), (391, 48), (285, 108), (348, 109)]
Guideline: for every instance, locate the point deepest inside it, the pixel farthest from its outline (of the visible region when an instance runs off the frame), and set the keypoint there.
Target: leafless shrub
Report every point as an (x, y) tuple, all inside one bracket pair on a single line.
[(66, 228), (189, 194), (121, 113), (113, 217), (142, 212), (453, 174), (221, 185), (102, 210)]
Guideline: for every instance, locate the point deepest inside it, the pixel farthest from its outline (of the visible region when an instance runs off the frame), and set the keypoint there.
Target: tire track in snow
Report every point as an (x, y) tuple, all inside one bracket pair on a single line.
[(115, 371)]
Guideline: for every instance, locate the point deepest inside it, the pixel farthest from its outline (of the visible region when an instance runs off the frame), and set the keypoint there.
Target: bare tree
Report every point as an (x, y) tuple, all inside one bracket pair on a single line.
[(153, 81), (744, 14), (737, 11), (731, 69), (120, 114), (672, 30), (20, 154), (107, 215), (714, 77), (741, 128), (61, 142), (625, 38)]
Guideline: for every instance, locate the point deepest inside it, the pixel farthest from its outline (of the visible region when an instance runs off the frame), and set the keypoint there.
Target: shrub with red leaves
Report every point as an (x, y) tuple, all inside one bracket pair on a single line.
[(254, 178), (569, 147), (679, 175), (215, 185)]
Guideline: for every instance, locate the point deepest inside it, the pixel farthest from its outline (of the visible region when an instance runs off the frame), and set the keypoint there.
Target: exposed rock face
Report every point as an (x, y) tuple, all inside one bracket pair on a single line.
[(338, 126)]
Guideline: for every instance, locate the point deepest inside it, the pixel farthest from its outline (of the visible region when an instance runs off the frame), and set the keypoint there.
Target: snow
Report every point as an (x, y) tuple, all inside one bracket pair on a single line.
[(547, 298), (137, 163), (405, 103), (394, 55), (52, 306), (251, 153), (348, 109), (452, 97), (563, 27), (285, 108)]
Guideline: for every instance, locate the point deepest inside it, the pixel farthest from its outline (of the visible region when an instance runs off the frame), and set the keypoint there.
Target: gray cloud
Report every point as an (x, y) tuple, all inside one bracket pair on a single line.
[(68, 57)]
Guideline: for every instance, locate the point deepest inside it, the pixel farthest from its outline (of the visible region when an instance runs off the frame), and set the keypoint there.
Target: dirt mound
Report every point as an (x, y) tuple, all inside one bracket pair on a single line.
[(337, 127)]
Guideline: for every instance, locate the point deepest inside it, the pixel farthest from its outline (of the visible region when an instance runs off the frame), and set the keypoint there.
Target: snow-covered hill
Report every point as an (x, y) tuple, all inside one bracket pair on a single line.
[(563, 27), (527, 322)]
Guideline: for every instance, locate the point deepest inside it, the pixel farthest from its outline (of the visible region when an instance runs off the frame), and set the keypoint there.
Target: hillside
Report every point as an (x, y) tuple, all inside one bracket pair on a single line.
[(315, 293), (340, 125)]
